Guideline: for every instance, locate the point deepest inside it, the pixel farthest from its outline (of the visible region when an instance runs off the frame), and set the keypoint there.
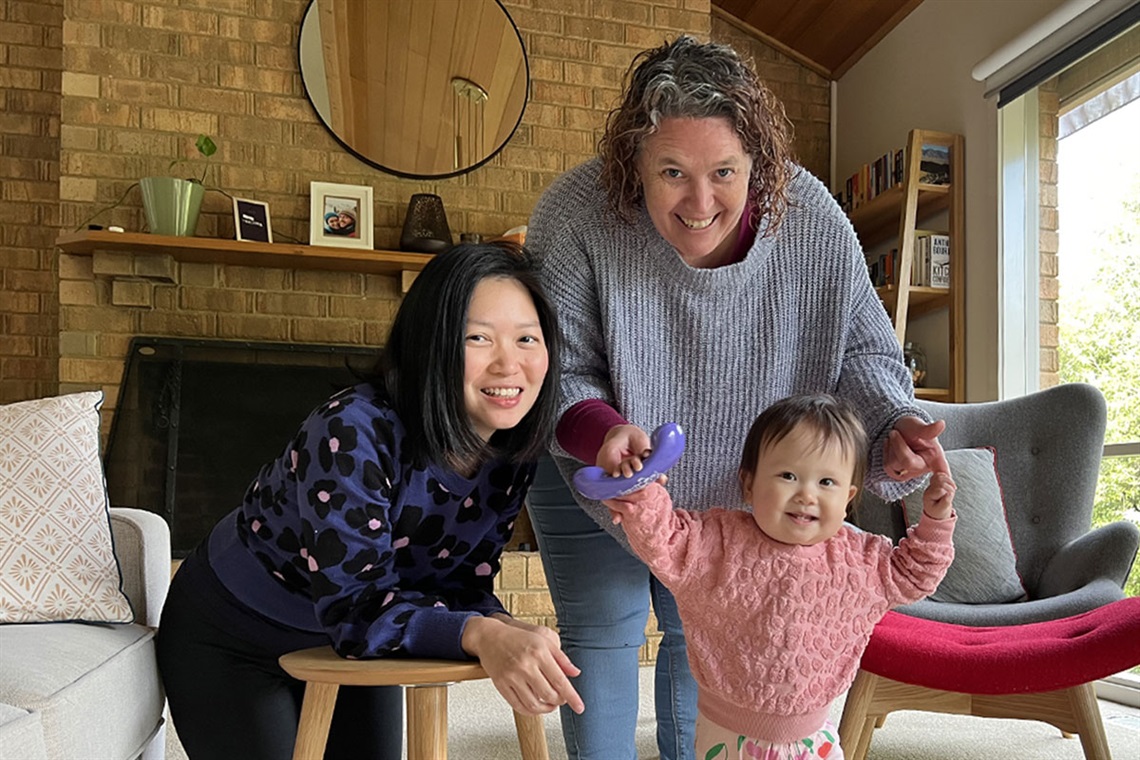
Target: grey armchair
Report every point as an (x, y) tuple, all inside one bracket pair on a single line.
[(1035, 659), (1048, 449)]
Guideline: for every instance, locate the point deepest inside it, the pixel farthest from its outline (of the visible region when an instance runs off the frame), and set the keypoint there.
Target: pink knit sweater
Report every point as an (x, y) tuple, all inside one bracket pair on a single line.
[(775, 631)]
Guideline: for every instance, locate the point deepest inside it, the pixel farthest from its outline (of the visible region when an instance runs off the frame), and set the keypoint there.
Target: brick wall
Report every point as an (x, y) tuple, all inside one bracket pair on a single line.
[(139, 80), (101, 92), (805, 94), (31, 59), (521, 585)]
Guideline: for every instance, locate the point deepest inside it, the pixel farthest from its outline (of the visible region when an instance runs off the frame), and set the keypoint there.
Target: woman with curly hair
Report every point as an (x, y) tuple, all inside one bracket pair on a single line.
[(379, 527), (699, 275)]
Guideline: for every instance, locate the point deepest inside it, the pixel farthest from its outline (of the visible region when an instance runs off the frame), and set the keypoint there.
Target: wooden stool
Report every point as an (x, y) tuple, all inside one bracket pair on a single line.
[(425, 682)]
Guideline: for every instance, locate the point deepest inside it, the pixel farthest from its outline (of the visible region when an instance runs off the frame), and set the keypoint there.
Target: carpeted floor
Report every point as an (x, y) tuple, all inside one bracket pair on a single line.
[(481, 728)]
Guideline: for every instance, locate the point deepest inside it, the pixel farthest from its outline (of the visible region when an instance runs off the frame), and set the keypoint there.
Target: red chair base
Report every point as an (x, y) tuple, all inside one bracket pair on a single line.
[(1038, 671)]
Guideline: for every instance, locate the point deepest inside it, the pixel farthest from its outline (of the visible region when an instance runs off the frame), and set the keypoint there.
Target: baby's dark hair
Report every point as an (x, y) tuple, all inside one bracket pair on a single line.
[(833, 419)]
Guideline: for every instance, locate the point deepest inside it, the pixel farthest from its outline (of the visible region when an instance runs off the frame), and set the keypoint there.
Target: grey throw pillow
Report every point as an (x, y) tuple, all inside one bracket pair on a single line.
[(984, 570)]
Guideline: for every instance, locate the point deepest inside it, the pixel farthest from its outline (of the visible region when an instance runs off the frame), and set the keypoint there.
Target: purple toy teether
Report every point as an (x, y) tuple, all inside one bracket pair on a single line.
[(668, 442)]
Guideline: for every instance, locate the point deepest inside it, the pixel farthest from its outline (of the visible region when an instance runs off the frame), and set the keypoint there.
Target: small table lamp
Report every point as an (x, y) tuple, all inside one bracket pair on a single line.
[(425, 226)]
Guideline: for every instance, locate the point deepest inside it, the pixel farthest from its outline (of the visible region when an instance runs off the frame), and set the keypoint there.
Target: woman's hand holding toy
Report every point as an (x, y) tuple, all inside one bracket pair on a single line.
[(622, 450), (668, 443)]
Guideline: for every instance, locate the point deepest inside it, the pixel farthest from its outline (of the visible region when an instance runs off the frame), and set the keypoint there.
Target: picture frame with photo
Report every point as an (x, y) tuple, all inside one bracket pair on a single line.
[(340, 215), (251, 221)]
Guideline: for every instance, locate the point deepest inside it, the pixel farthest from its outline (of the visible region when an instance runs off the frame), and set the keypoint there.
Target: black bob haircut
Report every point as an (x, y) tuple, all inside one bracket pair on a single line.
[(422, 366)]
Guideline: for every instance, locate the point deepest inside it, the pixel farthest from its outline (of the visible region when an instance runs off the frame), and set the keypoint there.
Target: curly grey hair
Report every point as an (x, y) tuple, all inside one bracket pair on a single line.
[(690, 79)]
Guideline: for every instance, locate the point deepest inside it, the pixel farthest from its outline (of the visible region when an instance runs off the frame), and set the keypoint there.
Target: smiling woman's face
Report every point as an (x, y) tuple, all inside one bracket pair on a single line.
[(505, 356), (694, 174)]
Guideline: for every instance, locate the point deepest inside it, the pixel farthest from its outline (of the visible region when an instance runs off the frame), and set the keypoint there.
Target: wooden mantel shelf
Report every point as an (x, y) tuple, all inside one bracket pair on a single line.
[(200, 250)]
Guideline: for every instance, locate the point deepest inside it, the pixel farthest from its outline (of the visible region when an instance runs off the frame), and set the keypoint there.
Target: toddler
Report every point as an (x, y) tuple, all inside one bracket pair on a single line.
[(778, 603)]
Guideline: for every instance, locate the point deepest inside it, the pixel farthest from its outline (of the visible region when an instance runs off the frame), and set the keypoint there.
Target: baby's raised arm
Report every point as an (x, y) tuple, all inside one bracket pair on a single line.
[(938, 498)]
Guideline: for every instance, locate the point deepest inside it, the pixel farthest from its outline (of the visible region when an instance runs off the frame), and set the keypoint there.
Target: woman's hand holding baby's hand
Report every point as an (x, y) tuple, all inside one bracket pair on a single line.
[(622, 450), (525, 662), (910, 446), (938, 498)]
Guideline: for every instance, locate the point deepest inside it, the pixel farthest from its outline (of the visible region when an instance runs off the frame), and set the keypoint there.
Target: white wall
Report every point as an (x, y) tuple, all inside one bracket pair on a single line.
[(919, 76)]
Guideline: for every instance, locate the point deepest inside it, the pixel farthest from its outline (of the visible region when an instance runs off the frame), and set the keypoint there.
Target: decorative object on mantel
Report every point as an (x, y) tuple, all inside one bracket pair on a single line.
[(171, 204), (251, 221), (340, 215), (425, 226)]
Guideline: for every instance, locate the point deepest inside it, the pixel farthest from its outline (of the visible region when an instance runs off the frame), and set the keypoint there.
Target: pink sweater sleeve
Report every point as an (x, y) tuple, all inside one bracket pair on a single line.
[(583, 427), (919, 563), (663, 537)]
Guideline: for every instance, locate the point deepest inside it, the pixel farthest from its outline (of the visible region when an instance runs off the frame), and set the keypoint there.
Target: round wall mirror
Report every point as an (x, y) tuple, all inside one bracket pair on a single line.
[(418, 88)]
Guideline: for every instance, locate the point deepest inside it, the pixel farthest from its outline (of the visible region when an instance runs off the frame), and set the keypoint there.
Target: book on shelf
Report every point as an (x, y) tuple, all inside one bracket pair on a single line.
[(930, 262), (934, 165), (881, 268), (873, 178), (940, 261)]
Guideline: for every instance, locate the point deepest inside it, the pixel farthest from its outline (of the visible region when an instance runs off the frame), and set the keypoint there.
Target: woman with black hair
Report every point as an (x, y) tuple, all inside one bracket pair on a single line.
[(379, 528)]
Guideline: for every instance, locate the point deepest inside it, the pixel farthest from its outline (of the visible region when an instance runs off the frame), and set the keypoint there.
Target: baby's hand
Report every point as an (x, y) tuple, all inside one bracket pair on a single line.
[(938, 498), (626, 503), (615, 506)]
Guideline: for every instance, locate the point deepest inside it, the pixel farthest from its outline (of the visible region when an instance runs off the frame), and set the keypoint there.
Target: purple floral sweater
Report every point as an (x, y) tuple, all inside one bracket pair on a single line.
[(343, 534)]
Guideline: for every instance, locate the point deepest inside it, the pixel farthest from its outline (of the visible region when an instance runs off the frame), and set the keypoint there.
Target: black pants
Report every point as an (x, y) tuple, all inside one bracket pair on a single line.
[(230, 699)]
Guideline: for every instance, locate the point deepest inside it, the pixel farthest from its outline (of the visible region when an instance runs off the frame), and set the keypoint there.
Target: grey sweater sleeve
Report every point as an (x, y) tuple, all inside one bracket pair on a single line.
[(569, 279)]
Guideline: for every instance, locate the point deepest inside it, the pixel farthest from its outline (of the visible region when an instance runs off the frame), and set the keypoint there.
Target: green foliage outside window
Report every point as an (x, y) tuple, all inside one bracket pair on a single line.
[(1100, 344)]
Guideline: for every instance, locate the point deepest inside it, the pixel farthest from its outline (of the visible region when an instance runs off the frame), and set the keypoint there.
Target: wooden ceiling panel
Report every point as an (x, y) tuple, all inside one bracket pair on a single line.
[(827, 35)]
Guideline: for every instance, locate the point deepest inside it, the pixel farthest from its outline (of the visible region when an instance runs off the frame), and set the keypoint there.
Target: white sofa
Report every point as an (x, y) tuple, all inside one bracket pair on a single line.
[(82, 690)]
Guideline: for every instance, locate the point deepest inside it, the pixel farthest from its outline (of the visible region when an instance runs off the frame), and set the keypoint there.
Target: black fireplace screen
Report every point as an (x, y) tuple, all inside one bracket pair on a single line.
[(196, 420)]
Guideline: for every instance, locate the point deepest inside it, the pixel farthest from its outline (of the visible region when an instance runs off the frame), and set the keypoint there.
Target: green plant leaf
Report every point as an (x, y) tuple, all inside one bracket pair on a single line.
[(206, 146)]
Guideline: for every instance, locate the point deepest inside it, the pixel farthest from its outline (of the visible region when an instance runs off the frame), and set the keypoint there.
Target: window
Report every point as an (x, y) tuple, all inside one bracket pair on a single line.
[(1070, 279)]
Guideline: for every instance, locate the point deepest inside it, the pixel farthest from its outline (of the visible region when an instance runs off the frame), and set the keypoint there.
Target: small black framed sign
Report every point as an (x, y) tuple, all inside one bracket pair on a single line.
[(251, 220)]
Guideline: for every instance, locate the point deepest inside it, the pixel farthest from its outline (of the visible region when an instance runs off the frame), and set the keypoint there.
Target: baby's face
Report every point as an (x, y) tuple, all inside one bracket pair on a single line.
[(800, 490)]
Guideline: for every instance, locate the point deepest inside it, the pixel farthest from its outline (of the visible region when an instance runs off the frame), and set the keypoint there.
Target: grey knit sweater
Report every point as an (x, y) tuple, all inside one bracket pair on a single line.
[(712, 348)]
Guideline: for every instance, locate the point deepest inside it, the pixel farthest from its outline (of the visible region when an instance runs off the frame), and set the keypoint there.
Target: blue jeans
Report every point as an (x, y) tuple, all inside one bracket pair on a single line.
[(601, 595)]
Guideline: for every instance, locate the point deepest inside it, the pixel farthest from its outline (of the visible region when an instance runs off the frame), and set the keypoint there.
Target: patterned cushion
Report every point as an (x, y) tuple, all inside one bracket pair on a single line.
[(57, 562), (984, 570)]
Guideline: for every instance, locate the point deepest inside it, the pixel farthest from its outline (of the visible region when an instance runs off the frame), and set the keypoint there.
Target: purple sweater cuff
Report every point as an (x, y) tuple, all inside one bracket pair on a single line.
[(436, 632)]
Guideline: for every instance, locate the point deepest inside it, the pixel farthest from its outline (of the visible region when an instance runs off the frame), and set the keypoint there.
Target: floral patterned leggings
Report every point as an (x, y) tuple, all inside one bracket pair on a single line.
[(715, 742)]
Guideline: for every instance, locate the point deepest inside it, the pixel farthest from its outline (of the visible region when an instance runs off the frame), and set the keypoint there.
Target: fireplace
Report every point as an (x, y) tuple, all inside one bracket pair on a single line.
[(196, 420)]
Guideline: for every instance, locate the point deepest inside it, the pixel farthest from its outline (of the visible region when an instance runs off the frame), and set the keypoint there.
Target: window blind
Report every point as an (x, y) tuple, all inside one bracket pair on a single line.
[(1068, 33)]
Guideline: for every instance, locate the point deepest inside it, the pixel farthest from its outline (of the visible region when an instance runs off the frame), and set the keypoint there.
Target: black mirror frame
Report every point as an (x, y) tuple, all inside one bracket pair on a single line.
[(407, 175)]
